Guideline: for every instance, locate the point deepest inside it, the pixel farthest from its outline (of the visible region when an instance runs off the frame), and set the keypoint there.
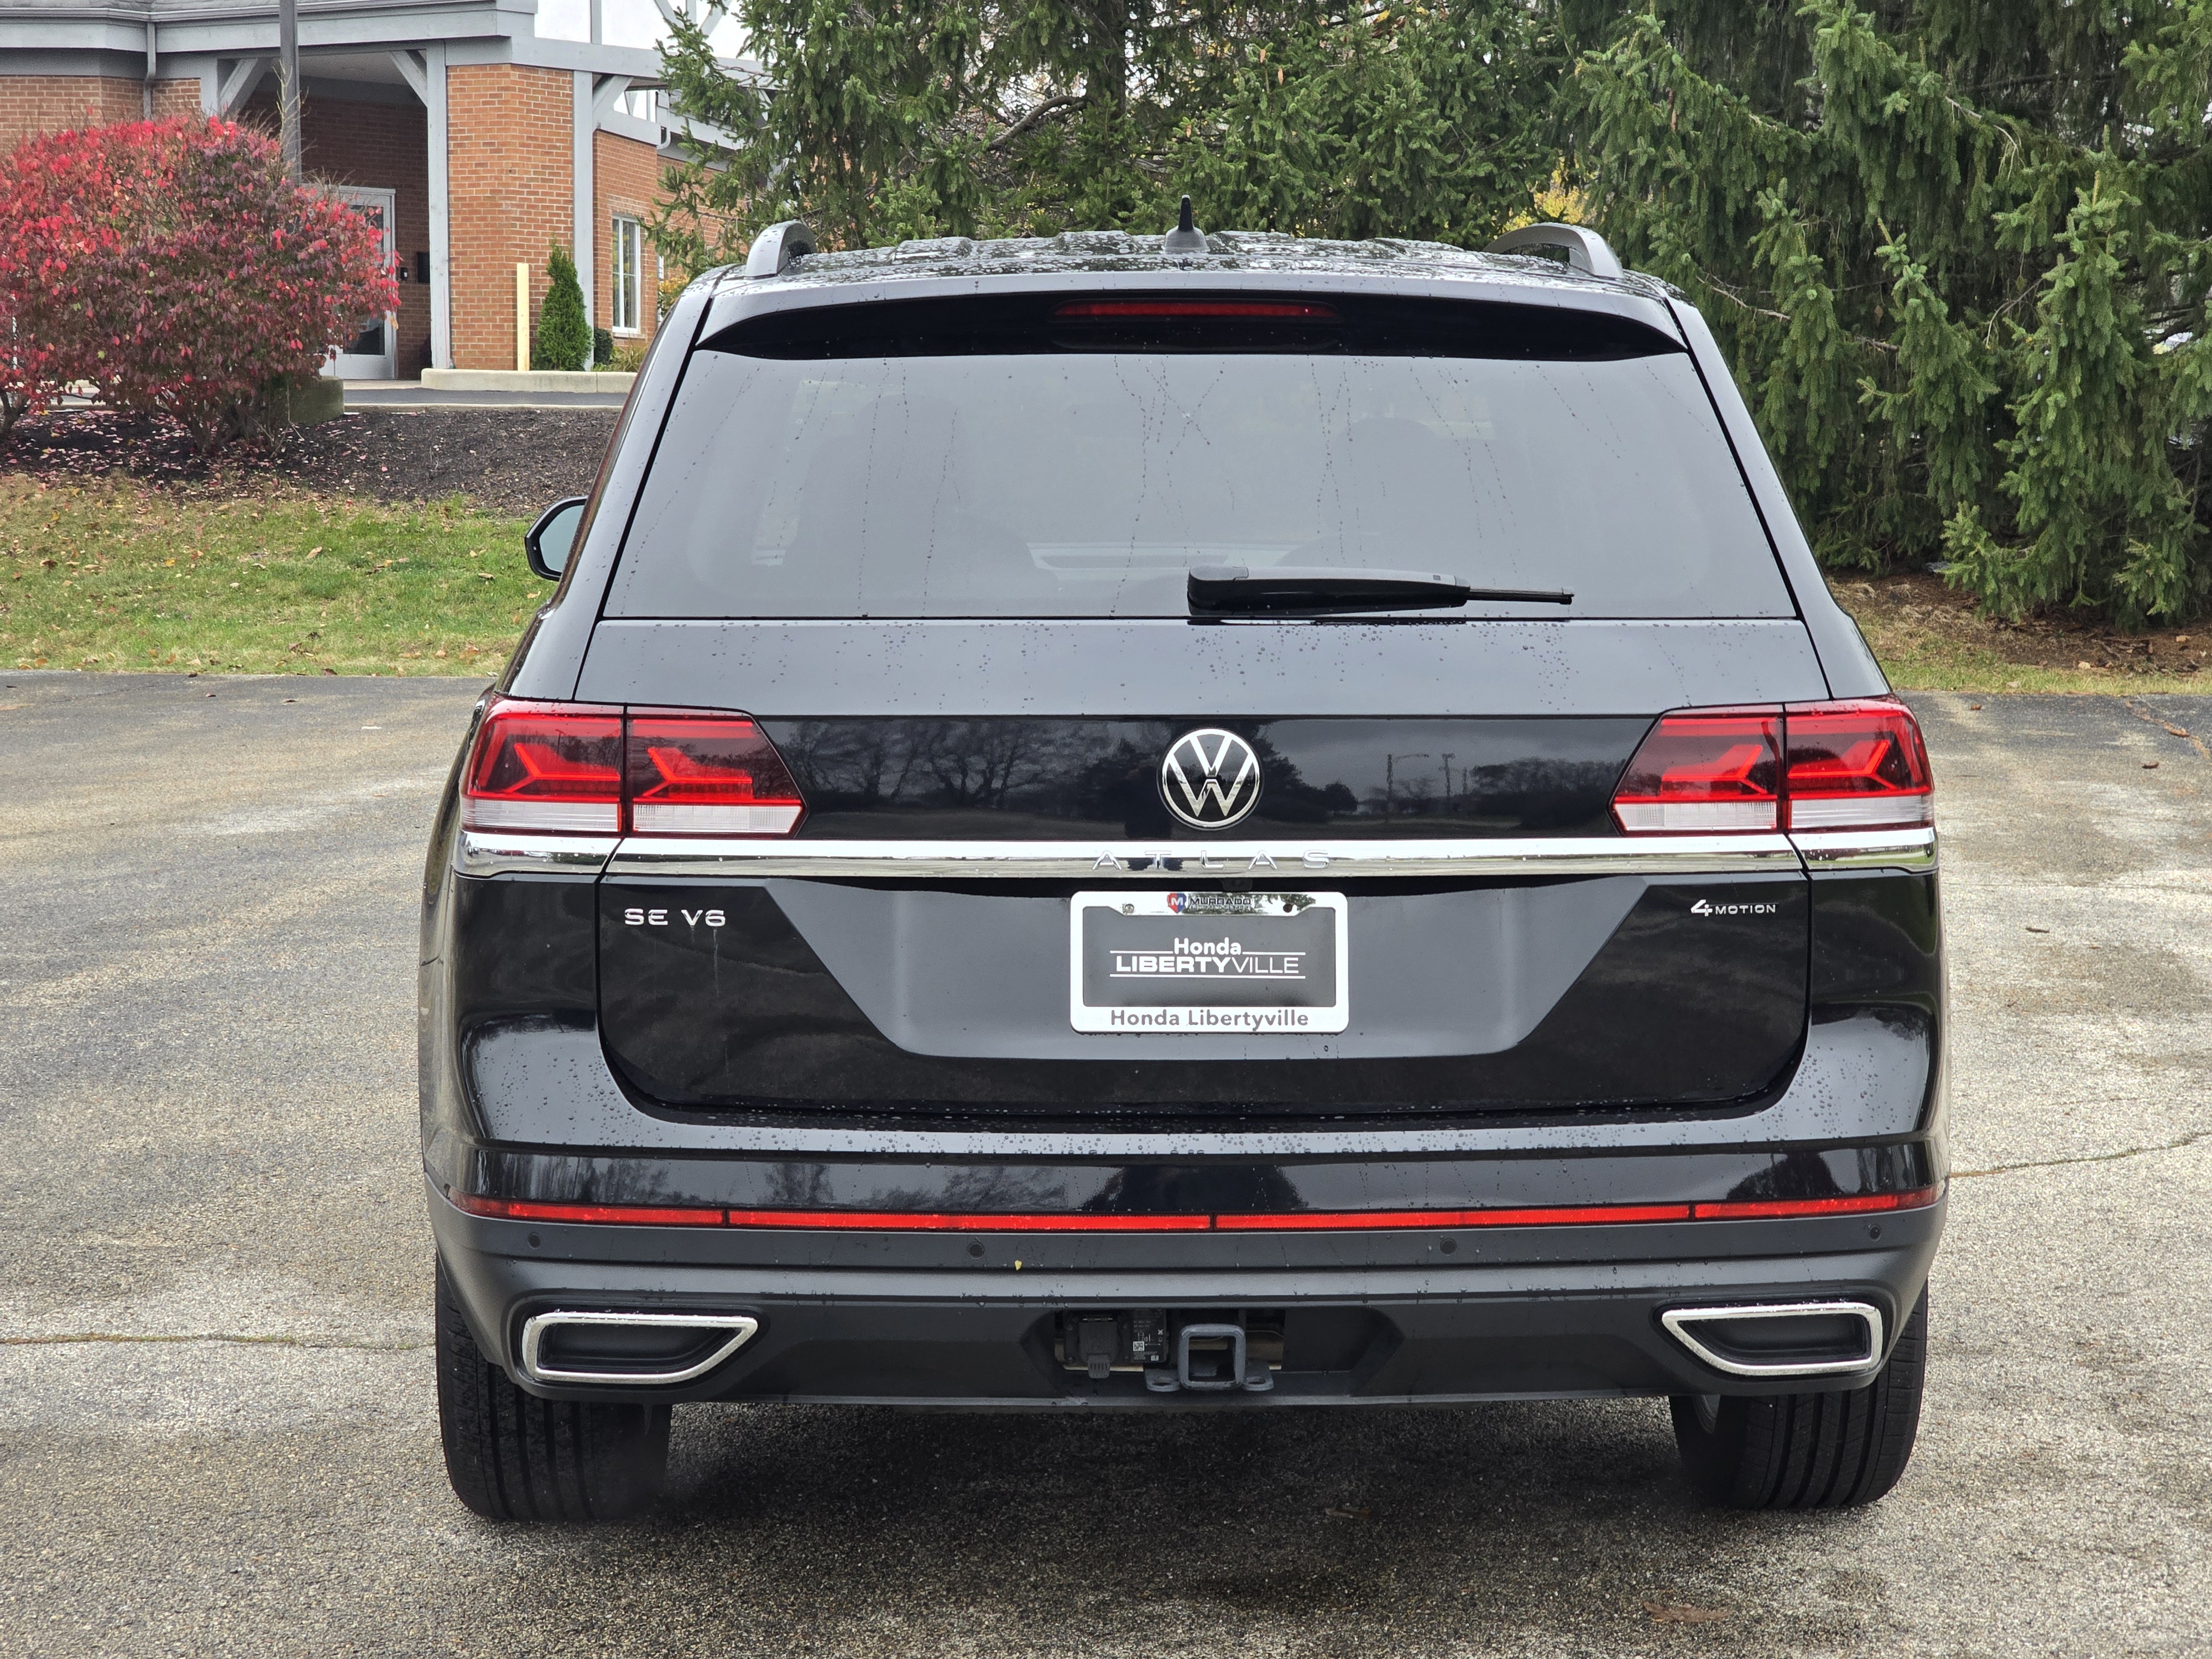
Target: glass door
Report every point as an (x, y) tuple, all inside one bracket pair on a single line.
[(374, 353)]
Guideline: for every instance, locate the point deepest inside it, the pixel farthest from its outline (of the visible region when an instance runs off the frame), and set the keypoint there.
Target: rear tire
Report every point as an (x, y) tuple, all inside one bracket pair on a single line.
[(1809, 1451), (513, 1456)]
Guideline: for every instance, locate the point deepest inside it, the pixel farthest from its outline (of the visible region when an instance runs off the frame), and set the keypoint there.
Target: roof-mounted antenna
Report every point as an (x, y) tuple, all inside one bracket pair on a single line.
[(1186, 237)]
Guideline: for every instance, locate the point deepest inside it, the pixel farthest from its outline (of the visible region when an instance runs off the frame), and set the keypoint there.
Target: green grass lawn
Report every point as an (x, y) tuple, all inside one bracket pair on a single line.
[(116, 575)]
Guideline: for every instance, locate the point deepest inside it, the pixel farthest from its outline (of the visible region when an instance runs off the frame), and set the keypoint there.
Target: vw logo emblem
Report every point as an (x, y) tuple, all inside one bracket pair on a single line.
[(1210, 779)]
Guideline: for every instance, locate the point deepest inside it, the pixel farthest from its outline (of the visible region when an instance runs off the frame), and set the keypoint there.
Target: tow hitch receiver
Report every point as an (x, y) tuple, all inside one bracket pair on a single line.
[(1175, 1351), (1211, 1359)]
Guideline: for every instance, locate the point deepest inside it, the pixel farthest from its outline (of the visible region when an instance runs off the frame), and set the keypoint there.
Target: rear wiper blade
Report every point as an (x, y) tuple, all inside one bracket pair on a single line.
[(1216, 589)]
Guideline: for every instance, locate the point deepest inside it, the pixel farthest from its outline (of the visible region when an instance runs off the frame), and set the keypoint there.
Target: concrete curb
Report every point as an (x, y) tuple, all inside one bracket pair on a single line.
[(508, 380)]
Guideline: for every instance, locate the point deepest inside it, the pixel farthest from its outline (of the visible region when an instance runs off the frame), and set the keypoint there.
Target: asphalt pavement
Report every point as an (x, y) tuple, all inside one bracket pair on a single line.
[(217, 1427)]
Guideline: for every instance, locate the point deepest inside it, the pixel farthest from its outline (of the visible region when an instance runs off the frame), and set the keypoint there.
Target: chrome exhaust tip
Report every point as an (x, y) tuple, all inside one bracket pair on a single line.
[(1782, 1339), (636, 1350)]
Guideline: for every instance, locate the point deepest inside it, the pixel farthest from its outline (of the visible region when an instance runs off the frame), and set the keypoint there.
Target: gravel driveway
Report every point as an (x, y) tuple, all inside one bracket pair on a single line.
[(219, 1433)]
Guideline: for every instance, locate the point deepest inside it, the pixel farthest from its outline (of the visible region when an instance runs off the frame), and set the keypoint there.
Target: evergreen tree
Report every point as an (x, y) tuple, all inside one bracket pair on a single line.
[(1958, 253), (931, 117), (564, 337)]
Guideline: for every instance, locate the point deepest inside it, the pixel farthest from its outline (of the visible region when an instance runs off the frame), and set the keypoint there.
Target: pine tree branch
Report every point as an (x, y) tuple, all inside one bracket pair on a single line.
[(1737, 299), (1051, 106)]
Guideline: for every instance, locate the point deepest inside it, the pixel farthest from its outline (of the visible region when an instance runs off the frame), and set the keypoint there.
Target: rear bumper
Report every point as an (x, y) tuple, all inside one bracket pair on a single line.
[(1414, 1316)]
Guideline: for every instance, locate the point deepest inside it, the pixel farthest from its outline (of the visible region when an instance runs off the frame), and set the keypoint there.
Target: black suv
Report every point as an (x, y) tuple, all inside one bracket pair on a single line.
[(1195, 823)]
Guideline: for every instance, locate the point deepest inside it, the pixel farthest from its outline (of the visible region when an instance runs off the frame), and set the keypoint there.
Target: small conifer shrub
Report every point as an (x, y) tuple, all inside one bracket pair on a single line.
[(564, 337)]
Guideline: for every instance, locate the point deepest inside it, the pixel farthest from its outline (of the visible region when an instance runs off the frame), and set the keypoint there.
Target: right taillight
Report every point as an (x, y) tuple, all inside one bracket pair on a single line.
[(1856, 766), (1704, 771), (1849, 765), (580, 769)]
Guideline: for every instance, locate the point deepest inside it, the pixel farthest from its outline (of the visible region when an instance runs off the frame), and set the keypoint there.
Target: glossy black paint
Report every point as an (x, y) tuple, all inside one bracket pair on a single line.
[(1673, 1009), (1361, 323), (1167, 1187), (1011, 778)]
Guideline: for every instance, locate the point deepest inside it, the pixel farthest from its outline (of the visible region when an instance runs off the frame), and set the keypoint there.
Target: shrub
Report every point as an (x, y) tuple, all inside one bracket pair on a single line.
[(563, 335), (173, 266), (603, 347), (48, 242)]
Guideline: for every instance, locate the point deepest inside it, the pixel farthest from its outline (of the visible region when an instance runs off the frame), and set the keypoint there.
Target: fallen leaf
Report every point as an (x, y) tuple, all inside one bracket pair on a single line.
[(1666, 1613), (2032, 928), (2175, 730)]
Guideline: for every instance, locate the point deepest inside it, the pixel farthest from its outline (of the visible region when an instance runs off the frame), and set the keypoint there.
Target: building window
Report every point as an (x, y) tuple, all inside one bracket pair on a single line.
[(628, 273)]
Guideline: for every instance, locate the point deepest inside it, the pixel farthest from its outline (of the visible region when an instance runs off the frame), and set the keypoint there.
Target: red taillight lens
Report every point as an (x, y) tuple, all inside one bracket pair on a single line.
[(578, 769), (1852, 765), (1857, 766), (545, 766), (693, 774), (1704, 772)]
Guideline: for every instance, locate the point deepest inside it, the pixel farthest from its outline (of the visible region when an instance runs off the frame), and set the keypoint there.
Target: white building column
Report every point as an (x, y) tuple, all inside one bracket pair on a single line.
[(586, 225), (425, 72), (442, 283)]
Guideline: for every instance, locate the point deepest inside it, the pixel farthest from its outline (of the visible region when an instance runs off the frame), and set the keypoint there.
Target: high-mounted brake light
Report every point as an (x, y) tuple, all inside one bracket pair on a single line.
[(1706, 771), (581, 769), (1281, 310), (551, 766), (708, 776), (1849, 765)]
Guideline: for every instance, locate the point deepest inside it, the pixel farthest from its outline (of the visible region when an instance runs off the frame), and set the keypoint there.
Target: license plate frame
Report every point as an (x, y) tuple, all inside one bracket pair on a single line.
[(1279, 960)]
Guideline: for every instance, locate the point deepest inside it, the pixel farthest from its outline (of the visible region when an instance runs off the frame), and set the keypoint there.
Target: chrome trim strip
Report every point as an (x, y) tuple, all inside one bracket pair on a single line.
[(1093, 862), (741, 1328), (1868, 849), (1675, 1319), (506, 853)]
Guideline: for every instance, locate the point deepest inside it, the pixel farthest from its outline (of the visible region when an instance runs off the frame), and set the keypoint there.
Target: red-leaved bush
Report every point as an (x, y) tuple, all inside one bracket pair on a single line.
[(174, 266)]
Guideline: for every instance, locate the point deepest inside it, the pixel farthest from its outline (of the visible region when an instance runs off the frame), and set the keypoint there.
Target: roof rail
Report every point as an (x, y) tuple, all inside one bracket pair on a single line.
[(774, 248), (1587, 252)]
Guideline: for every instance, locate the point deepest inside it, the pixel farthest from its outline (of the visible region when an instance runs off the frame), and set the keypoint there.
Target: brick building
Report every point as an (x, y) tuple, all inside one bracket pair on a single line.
[(479, 132)]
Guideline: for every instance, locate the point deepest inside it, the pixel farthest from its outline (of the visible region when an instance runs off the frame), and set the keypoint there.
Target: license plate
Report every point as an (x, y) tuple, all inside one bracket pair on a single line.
[(1219, 963)]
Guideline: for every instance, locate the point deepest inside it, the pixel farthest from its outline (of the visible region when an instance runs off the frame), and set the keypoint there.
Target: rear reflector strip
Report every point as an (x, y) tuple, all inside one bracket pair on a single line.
[(632, 1215), (907, 1221), (1857, 1204), (1582, 1215), (911, 1221)]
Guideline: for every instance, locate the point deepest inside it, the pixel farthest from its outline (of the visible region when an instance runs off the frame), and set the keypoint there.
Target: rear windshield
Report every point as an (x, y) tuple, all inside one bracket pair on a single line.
[(1001, 461)]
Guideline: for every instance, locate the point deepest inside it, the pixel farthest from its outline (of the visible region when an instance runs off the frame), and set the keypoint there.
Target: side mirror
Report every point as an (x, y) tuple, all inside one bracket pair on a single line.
[(549, 541)]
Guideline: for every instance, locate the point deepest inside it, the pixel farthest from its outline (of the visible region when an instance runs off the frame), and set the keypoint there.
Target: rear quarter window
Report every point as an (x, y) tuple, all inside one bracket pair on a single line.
[(998, 463)]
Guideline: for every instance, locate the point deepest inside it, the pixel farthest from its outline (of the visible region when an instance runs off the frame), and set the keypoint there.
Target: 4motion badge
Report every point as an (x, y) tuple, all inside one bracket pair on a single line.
[(1210, 779)]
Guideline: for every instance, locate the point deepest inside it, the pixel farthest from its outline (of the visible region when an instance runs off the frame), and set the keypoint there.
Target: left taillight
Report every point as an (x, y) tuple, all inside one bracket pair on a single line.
[(555, 767), (580, 769), (692, 775)]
